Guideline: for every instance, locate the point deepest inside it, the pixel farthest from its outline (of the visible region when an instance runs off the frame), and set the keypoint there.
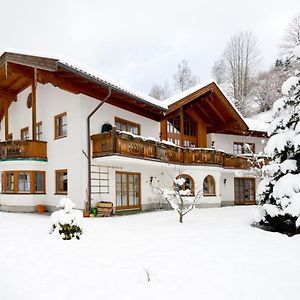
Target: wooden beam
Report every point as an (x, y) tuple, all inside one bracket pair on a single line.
[(163, 130), (208, 118), (209, 101), (191, 97), (33, 109), (228, 127), (6, 121), (7, 93), (181, 127)]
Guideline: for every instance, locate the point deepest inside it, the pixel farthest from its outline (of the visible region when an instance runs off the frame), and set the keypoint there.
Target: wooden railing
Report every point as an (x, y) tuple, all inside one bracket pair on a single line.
[(23, 149), (115, 142)]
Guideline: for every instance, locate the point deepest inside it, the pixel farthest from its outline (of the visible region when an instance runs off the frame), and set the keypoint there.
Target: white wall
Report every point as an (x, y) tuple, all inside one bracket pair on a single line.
[(163, 175), (224, 142), (65, 153)]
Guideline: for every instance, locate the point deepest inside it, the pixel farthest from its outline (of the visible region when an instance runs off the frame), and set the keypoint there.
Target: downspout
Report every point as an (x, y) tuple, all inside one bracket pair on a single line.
[(89, 146)]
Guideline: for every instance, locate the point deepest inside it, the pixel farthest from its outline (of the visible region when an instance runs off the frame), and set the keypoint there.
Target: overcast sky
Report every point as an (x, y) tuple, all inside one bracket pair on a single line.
[(141, 42)]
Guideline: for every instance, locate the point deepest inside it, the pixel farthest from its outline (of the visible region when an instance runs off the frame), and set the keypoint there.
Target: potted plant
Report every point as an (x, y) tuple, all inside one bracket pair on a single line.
[(86, 211), (41, 208)]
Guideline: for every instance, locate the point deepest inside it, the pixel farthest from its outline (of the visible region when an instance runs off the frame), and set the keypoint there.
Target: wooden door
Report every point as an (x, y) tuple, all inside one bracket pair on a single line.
[(128, 191), (244, 191)]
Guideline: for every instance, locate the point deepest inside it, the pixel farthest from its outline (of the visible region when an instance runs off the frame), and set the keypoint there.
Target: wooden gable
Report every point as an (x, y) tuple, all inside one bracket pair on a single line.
[(210, 106), (17, 72)]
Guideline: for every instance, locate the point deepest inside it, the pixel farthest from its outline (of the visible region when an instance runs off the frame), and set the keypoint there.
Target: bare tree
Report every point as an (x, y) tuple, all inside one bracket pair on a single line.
[(183, 78), (218, 71), (240, 62), (291, 36), (160, 92), (267, 87), (181, 200)]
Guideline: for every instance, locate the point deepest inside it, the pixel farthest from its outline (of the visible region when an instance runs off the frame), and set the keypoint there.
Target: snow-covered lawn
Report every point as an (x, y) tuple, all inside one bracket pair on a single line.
[(215, 254)]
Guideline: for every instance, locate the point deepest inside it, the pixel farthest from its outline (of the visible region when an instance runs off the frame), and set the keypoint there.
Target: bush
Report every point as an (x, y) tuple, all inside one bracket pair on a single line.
[(67, 220)]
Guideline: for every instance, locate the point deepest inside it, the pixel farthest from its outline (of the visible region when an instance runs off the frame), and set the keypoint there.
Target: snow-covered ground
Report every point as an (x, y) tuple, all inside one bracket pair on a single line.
[(214, 254)]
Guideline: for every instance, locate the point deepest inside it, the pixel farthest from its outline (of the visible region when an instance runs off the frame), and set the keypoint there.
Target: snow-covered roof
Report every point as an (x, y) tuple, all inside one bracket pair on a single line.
[(169, 101), (259, 122), (87, 71), (117, 85)]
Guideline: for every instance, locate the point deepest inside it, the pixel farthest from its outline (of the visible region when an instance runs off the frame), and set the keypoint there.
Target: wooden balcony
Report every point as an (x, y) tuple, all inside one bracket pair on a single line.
[(20, 149), (120, 143)]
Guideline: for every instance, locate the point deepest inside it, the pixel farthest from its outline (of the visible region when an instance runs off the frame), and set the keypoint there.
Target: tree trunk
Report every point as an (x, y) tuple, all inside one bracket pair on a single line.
[(180, 218)]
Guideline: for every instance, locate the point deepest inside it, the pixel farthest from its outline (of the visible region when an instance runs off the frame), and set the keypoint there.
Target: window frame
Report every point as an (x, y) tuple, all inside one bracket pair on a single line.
[(22, 131), (57, 126), (39, 134), (208, 184), (128, 123), (127, 190), (242, 144), (16, 173), (192, 189), (10, 137), (58, 173)]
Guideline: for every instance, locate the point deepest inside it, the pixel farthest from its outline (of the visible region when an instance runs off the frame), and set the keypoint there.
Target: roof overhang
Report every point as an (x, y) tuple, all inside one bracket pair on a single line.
[(17, 73), (214, 109)]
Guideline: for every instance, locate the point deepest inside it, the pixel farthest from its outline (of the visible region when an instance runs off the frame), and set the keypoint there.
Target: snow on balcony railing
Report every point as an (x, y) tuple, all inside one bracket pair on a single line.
[(130, 145)]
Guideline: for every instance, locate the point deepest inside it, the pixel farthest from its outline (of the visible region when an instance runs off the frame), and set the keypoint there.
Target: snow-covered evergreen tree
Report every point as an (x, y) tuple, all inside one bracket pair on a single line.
[(279, 191)]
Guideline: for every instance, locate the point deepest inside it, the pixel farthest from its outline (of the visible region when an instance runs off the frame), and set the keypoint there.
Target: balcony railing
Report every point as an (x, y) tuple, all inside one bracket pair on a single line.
[(116, 142), (23, 149)]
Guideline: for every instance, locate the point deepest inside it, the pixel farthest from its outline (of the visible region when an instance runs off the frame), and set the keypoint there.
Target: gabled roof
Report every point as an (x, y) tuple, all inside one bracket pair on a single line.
[(214, 108), (16, 74), (206, 98)]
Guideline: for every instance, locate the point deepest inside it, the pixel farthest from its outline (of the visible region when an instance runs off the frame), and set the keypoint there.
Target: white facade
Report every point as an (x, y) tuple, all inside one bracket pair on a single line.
[(68, 153)]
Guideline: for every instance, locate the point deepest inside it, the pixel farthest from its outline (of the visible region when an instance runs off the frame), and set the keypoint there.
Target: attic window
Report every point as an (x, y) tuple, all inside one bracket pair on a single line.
[(29, 101)]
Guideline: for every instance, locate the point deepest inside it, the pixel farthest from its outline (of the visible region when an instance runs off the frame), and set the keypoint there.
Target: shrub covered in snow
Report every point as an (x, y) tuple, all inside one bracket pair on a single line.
[(67, 220), (279, 192)]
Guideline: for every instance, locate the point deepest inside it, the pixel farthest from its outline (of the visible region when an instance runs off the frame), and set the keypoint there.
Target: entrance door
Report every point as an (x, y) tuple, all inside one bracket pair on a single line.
[(128, 190), (244, 191)]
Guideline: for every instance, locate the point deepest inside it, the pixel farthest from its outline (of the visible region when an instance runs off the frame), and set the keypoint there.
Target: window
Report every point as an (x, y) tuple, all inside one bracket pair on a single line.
[(61, 181), (29, 182), (242, 148), (244, 191), (39, 181), (39, 131), (209, 188), (60, 125), (25, 133), (9, 182), (188, 184), (189, 134), (129, 126), (24, 182)]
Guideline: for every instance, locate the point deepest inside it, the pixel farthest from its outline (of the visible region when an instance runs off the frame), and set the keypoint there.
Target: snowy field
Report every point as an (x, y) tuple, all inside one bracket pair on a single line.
[(215, 254)]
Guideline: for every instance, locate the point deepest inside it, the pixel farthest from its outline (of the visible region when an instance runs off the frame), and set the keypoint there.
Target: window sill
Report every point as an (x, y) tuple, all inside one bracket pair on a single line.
[(60, 137), (61, 193), (8, 193), (210, 195)]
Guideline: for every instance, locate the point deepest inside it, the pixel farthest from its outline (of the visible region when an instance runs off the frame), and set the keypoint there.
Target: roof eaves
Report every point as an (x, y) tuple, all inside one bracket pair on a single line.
[(105, 83)]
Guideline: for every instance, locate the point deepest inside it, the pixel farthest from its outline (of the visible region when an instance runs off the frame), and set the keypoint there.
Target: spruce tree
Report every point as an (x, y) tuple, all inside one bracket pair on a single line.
[(279, 191)]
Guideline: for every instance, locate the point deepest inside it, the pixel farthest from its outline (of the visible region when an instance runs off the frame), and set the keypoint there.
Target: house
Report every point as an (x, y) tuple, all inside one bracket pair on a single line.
[(49, 124)]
